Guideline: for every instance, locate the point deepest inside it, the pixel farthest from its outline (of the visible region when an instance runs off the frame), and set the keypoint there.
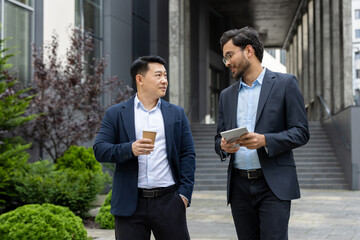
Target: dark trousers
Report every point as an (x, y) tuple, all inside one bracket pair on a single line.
[(257, 212), (165, 216)]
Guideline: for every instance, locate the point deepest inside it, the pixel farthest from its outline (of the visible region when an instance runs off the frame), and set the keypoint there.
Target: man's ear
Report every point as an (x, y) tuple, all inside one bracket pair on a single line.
[(139, 79), (250, 50)]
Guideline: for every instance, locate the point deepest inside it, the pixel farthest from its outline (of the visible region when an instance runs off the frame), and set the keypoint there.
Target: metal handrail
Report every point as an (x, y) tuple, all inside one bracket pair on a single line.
[(333, 121)]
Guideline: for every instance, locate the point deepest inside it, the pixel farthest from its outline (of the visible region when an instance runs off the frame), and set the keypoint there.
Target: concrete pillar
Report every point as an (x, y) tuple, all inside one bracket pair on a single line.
[(311, 58), (326, 53), (305, 58), (204, 57), (289, 59), (295, 56), (300, 58), (318, 59), (179, 52), (347, 53), (336, 48)]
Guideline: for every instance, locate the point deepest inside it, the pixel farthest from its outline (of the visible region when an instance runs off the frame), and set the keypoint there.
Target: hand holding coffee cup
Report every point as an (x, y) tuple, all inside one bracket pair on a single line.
[(150, 134), (145, 145)]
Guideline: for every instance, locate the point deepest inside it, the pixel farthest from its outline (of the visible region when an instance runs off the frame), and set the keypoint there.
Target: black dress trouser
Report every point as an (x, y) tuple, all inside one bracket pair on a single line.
[(165, 216), (258, 214)]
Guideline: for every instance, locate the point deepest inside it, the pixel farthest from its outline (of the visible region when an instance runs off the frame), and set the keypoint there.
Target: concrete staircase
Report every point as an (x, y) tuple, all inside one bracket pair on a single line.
[(317, 165)]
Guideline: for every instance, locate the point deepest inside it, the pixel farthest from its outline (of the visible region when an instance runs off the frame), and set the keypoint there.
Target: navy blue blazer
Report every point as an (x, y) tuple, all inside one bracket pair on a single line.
[(113, 144), (281, 117)]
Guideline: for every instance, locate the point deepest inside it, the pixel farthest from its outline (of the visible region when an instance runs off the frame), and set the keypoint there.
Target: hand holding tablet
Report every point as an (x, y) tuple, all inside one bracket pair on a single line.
[(233, 134)]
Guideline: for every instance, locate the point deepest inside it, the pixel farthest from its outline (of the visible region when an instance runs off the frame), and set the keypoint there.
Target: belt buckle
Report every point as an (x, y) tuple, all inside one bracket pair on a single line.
[(150, 193), (249, 175)]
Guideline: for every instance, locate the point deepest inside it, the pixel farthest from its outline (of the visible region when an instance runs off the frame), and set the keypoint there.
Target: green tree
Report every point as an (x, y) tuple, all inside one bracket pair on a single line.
[(13, 106)]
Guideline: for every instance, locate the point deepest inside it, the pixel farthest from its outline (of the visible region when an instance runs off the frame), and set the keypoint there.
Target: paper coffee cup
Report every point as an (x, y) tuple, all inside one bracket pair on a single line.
[(150, 134)]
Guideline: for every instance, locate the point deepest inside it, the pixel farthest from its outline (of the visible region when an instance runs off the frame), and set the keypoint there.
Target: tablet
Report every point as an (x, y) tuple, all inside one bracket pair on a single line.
[(233, 134)]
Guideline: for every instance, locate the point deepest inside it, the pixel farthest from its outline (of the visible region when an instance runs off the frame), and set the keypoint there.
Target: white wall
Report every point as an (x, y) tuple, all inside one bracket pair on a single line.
[(59, 16), (272, 63)]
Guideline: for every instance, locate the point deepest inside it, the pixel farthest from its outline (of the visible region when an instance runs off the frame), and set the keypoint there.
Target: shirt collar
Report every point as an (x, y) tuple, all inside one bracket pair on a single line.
[(259, 80), (139, 104)]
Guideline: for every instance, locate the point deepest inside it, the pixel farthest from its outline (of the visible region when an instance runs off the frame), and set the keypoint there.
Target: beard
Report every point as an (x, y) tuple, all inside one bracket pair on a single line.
[(241, 67)]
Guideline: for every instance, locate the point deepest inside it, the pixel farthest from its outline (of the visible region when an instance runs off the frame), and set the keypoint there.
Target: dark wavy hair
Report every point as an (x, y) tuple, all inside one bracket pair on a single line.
[(141, 65), (243, 37)]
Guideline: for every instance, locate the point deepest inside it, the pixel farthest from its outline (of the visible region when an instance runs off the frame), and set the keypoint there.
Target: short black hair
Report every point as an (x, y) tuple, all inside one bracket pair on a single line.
[(140, 65), (243, 37)]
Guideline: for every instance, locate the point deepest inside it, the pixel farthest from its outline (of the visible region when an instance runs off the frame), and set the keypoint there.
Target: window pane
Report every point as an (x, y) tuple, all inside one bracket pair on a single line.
[(283, 56), (26, 2), (95, 54), (17, 27), (92, 16), (77, 13), (357, 73), (357, 33), (271, 52), (357, 14), (357, 55)]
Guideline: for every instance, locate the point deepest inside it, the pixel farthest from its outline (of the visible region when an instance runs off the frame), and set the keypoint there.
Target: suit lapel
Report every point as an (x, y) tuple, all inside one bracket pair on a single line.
[(168, 116), (268, 83), (128, 120), (233, 103)]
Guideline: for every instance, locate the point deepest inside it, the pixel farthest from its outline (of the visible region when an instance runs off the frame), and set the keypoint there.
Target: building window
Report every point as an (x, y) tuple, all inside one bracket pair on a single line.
[(283, 56), (357, 14), (271, 52), (140, 28), (357, 73), (89, 15), (357, 55), (18, 30), (357, 33)]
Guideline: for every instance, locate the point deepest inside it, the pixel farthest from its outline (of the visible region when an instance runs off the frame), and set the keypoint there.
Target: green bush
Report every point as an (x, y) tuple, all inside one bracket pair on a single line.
[(41, 222), (82, 159), (79, 158), (105, 218), (13, 105), (41, 182)]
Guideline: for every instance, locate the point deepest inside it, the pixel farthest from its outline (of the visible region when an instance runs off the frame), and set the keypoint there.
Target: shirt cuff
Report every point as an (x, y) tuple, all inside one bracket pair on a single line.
[(266, 149)]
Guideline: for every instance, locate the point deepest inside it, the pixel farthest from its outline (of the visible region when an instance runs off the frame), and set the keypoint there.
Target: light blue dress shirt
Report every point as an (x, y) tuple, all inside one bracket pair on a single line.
[(248, 99), (154, 169)]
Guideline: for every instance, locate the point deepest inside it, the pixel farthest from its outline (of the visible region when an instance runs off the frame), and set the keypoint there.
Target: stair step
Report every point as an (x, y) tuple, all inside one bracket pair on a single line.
[(214, 187), (316, 163)]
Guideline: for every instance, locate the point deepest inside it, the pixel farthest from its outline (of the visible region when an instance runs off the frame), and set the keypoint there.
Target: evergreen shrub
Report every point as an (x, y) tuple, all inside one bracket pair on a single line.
[(41, 222), (73, 185), (104, 217)]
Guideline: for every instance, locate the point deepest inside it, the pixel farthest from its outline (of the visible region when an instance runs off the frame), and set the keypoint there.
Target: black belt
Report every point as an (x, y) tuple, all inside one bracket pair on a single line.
[(156, 192), (249, 174)]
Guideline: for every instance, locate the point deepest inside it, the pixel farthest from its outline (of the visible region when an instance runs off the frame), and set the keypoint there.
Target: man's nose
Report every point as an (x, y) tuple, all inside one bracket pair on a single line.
[(227, 64), (164, 79)]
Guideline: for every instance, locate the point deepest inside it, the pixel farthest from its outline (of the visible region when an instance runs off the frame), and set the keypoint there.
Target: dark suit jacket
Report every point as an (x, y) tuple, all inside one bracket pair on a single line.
[(281, 117), (113, 144)]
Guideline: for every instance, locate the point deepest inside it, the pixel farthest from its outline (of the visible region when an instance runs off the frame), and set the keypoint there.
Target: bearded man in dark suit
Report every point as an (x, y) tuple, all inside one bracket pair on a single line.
[(262, 177)]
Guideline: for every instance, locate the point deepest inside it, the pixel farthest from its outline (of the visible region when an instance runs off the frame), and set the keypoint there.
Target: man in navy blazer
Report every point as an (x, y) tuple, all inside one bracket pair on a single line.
[(153, 183), (262, 177)]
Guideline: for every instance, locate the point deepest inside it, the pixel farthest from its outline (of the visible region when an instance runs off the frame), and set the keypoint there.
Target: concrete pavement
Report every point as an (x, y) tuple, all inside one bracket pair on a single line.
[(319, 214)]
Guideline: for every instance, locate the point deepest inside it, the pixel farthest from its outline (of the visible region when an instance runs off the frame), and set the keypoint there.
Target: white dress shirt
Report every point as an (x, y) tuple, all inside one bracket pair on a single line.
[(154, 169), (248, 99)]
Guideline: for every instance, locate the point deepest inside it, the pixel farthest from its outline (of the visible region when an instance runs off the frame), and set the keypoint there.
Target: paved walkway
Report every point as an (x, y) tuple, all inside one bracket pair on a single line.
[(319, 214)]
